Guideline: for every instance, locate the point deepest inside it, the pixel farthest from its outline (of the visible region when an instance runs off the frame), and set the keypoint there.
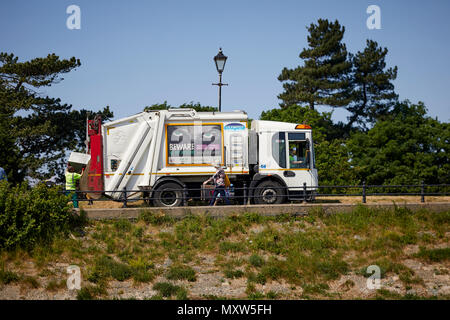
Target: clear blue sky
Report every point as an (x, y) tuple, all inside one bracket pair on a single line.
[(137, 53)]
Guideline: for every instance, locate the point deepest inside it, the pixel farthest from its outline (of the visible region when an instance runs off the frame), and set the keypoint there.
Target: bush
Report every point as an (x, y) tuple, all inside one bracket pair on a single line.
[(233, 274), (32, 215), (167, 289), (434, 255), (256, 261), (106, 267), (7, 277), (180, 273)]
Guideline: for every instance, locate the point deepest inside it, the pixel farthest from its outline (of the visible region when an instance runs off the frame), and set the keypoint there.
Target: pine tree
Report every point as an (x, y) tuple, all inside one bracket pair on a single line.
[(373, 92), (36, 132), (323, 80)]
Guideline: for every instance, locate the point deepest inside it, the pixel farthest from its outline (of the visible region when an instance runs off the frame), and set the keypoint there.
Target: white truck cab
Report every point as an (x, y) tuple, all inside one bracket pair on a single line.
[(162, 154)]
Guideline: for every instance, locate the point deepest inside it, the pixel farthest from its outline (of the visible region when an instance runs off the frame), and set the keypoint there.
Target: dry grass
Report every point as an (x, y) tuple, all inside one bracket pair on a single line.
[(243, 256)]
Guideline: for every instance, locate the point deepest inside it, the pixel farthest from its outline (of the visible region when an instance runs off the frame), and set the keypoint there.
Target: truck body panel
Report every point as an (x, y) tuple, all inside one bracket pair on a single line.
[(181, 146)]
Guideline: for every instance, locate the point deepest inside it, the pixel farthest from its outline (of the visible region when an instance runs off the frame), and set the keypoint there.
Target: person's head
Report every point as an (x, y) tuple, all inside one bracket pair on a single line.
[(70, 168)]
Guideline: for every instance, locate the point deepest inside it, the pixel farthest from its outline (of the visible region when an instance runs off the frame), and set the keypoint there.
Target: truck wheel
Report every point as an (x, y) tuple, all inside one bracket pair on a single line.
[(168, 195), (269, 192)]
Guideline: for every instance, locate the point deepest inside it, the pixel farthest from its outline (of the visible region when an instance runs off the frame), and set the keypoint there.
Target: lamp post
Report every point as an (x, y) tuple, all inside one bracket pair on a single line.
[(220, 59)]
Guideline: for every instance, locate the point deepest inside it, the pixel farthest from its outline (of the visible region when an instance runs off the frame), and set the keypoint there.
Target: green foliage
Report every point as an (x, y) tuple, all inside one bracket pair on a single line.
[(167, 289), (123, 225), (181, 273), (256, 260), (31, 281), (255, 295), (91, 292), (319, 288), (404, 148), (106, 267), (29, 216), (373, 93), (333, 165), (233, 274), (191, 105), (227, 246), (54, 285), (434, 255), (155, 219), (36, 131), (32, 142), (7, 277), (323, 80)]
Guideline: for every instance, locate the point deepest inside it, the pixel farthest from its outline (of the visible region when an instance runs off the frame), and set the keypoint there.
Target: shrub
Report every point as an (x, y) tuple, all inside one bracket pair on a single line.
[(32, 215), (256, 261), (434, 255), (123, 225), (106, 267), (167, 289), (90, 292), (227, 246), (31, 281), (232, 274), (8, 277), (180, 273), (155, 219)]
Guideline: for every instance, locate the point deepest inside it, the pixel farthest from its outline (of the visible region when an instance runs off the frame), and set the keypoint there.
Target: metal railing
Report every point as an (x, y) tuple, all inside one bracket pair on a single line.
[(300, 193)]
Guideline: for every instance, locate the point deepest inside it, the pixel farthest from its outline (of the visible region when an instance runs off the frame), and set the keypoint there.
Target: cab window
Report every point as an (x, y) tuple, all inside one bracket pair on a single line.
[(298, 151), (279, 148)]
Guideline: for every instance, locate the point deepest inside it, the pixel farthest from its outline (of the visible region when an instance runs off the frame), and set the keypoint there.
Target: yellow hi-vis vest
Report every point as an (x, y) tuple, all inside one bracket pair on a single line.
[(71, 180)]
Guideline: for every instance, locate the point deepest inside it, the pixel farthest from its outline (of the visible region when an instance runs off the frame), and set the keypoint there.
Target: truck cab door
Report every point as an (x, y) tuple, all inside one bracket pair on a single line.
[(298, 161)]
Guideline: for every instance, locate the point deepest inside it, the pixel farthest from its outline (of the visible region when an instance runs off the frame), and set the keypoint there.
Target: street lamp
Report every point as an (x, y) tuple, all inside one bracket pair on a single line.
[(220, 59)]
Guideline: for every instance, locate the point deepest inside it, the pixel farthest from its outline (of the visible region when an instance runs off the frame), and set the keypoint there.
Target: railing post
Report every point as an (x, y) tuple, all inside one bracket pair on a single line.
[(422, 192), (124, 194), (304, 191), (364, 192), (245, 193), (185, 196)]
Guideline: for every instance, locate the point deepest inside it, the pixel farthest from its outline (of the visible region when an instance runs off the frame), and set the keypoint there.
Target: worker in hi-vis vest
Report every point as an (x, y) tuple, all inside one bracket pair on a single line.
[(71, 183)]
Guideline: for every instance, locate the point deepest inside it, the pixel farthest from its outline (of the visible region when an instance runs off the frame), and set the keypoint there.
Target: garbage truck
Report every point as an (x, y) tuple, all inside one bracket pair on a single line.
[(165, 156)]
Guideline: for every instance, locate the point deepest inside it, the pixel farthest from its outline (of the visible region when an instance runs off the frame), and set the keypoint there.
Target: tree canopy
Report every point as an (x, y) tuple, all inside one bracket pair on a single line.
[(36, 132), (384, 141), (191, 105), (323, 79), (373, 93), (406, 147)]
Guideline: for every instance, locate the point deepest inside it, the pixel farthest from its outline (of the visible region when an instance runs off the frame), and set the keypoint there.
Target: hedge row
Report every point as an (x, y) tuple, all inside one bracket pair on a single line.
[(29, 216)]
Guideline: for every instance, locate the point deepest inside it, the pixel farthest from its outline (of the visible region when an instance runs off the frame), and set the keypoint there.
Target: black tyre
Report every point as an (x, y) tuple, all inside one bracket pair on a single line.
[(269, 192), (168, 195)]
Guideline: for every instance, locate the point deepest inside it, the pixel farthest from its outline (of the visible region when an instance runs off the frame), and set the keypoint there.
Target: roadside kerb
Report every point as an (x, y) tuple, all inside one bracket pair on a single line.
[(273, 210)]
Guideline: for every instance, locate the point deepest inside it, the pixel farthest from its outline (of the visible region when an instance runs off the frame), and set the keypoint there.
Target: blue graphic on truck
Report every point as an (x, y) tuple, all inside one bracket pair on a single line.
[(234, 126)]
